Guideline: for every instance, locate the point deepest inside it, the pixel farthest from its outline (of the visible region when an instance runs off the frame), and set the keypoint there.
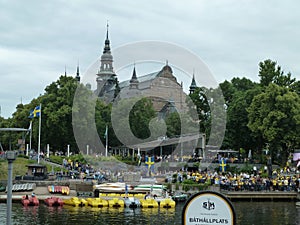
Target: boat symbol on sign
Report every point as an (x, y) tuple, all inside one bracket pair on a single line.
[(208, 205)]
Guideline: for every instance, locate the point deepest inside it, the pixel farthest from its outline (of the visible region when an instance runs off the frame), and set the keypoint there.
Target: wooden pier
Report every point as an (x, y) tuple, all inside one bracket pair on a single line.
[(262, 196)]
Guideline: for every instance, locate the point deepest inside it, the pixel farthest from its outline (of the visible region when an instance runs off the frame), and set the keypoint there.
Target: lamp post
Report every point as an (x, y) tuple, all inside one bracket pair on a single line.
[(10, 156)]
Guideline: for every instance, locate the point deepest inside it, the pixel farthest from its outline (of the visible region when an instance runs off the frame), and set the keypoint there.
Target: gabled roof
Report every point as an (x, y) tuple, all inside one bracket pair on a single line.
[(142, 79), (169, 141)]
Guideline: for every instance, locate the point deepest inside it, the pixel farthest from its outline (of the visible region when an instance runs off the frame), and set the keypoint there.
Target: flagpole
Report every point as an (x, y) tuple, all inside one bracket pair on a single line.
[(39, 144), (30, 134), (106, 144)]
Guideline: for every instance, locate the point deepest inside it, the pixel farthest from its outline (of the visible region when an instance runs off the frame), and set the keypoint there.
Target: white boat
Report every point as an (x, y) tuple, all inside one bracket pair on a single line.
[(112, 187), (298, 204), (148, 187), (153, 189), (132, 202)]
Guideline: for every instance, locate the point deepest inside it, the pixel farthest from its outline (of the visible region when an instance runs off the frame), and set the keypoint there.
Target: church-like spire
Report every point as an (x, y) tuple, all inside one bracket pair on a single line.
[(77, 73), (106, 77), (134, 77), (106, 46), (134, 81), (106, 67), (193, 85)]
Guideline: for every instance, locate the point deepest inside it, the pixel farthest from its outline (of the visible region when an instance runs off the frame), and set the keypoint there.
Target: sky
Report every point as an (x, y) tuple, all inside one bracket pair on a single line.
[(39, 39)]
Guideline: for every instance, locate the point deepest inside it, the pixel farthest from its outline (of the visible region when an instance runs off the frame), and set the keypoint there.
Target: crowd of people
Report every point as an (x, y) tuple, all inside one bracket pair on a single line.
[(78, 170), (284, 179), (281, 180)]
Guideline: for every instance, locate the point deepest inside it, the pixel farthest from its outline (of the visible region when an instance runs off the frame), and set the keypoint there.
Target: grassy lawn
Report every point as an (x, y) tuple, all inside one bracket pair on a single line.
[(19, 167)]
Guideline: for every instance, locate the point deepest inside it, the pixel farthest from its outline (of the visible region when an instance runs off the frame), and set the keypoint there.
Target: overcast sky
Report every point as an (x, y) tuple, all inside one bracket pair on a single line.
[(39, 38)]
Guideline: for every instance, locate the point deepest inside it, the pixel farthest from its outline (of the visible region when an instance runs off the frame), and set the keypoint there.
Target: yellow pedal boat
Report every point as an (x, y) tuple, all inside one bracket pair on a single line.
[(97, 202), (149, 203), (116, 202), (167, 203), (75, 201)]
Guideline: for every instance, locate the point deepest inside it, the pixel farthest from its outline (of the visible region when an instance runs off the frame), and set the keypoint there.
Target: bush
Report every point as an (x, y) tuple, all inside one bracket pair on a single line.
[(78, 158), (186, 188), (232, 169), (264, 175), (127, 160), (23, 156), (169, 186), (189, 182), (56, 159), (197, 164), (199, 187), (246, 169)]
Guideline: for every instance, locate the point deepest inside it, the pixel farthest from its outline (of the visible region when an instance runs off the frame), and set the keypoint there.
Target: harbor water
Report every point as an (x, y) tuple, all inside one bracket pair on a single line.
[(248, 213)]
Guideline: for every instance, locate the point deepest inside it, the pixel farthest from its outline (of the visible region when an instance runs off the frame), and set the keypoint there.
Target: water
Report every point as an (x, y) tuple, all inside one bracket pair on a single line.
[(248, 213)]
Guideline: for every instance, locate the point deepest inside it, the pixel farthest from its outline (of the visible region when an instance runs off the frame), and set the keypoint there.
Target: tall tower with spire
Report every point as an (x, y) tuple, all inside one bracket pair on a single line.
[(106, 76)]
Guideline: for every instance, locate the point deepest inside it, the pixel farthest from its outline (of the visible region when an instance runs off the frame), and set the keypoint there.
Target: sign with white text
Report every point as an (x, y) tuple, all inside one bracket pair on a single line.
[(208, 207)]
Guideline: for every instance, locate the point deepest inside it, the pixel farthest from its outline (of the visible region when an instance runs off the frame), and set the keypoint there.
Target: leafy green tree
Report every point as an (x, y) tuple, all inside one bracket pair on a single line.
[(6, 137), (296, 87), (134, 120), (173, 123), (228, 91), (211, 112), (242, 84), (57, 103), (117, 88), (274, 114), (103, 119), (140, 116), (198, 103), (238, 135), (86, 119), (270, 72), (241, 92)]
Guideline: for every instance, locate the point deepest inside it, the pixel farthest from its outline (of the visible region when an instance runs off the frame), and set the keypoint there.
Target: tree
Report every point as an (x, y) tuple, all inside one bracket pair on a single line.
[(275, 115), (296, 87), (228, 91), (173, 124), (85, 120), (238, 135), (242, 84), (211, 113), (199, 108), (140, 117), (117, 88), (6, 137), (270, 72), (134, 120), (57, 103)]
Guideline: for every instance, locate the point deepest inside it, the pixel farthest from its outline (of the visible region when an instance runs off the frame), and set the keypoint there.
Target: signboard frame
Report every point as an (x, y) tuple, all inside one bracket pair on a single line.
[(199, 219)]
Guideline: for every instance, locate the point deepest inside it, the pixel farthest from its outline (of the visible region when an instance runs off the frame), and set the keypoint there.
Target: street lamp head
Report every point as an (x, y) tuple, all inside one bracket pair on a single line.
[(11, 155)]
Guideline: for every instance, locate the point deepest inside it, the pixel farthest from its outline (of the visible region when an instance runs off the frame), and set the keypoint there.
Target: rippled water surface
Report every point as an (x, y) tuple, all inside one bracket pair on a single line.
[(248, 213)]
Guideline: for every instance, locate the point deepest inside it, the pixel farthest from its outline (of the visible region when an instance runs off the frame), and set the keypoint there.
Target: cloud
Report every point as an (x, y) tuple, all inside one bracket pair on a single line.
[(231, 36)]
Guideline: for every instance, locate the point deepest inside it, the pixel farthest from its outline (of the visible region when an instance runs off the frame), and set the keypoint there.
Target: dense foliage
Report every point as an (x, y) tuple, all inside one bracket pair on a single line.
[(258, 115)]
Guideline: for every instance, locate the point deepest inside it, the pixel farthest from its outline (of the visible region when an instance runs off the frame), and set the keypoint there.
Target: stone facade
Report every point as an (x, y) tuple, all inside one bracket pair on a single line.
[(161, 87)]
